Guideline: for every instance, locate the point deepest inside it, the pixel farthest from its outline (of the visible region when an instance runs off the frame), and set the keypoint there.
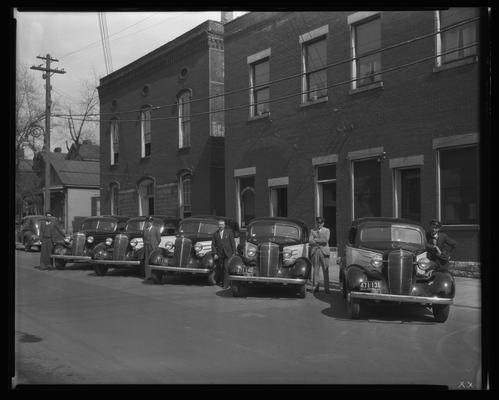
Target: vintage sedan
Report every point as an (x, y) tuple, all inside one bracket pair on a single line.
[(126, 249), (29, 232), (385, 259), (79, 246), (275, 252), (190, 251)]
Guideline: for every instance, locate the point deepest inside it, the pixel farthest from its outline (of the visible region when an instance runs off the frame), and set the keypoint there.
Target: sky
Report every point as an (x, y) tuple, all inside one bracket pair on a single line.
[(74, 39)]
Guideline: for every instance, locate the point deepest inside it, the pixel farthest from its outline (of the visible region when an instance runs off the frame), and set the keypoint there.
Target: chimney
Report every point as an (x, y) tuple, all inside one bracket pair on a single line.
[(57, 150), (226, 16)]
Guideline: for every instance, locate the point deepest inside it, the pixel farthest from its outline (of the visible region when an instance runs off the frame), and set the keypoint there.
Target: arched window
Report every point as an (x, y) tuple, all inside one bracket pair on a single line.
[(146, 197), (114, 141), (184, 119), (185, 191), (145, 131), (247, 205), (113, 191)]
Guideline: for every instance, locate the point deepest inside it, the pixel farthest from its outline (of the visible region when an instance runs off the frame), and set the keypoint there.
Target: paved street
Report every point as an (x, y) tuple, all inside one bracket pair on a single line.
[(75, 327)]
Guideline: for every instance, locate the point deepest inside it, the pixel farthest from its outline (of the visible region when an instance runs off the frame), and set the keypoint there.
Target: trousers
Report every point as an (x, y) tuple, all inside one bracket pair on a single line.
[(319, 261)]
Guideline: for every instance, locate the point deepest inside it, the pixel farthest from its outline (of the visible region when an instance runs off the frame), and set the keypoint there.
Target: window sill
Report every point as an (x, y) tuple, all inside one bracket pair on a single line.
[(365, 88), (456, 64), (259, 117), (313, 102)]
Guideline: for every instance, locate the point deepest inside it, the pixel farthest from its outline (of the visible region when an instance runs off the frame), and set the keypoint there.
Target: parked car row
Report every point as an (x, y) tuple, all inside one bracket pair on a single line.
[(384, 259)]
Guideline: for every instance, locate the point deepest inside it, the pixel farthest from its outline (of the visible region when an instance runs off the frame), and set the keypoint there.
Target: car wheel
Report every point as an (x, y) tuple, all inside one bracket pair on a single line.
[(237, 289), (302, 293), (60, 264), (101, 270), (157, 276), (353, 307), (212, 279), (441, 312)]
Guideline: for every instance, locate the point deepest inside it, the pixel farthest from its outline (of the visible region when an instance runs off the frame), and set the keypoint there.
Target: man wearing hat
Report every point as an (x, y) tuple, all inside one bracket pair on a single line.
[(152, 238), (439, 245), (50, 232)]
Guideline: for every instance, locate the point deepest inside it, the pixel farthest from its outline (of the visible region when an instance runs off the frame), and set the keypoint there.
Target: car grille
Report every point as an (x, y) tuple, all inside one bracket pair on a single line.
[(120, 247), (78, 243), (400, 272), (268, 258), (182, 253)]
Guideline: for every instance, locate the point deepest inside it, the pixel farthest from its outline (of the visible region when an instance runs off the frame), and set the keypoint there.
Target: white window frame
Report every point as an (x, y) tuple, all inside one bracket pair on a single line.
[(114, 197), (305, 40), (238, 174), (181, 202), (318, 184), (276, 183), (398, 164), (183, 119), (145, 121), (143, 183), (114, 131), (252, 60)]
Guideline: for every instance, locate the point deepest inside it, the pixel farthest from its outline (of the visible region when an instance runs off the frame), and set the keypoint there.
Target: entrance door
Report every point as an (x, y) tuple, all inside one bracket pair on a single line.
[(326, 198), (410, 194)]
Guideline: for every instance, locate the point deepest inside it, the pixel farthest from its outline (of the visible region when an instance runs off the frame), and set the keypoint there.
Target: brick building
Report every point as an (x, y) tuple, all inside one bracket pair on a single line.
[(163, 157), (372, 122)]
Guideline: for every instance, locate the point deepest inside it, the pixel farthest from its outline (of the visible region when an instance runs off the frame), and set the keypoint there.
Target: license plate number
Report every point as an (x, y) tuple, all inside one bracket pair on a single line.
[(376, 285)]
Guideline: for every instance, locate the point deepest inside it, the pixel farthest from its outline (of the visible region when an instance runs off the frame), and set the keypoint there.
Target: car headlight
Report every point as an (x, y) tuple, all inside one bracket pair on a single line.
[(67, 239), (250, 250), (90, 239), (198, 247), (109, 241), (377, 261), (169, 245), (286, 254), (133, 242), (424, 263)]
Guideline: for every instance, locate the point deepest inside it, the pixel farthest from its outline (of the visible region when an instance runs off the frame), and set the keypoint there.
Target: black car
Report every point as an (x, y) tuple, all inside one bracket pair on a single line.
[(29, 231), (80, 245), (190, 251), (126, 249), (275, 252), (385, 259)]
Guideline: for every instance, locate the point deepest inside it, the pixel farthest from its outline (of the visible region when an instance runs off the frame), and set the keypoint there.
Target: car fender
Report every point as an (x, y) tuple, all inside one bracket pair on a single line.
[(443, 285), (354, 276), (98, 247), (302, 267), (233, 264), (207, 261)]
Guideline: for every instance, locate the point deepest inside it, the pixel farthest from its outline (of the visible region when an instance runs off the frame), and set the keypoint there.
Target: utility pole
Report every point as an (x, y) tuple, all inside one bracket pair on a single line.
[(48, 103)]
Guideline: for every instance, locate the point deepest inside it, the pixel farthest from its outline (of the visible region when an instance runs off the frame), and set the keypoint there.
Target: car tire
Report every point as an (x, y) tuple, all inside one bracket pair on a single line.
[(101, 270), (212, 279), (59, 264), (157, 276), (302, 291), (441, 312), (353, 307), (237, 289)]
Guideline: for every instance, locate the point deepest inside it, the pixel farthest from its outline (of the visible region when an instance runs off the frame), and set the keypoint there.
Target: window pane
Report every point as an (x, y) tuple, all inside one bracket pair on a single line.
[(459, 186), (247, 198), (316, 57), (410, 194), (367, 37), (261, 73), (461, 36), (261, 101), (367, 182), (455, 15), (317, 83), (367, 67), (326, 172), (186, 133)]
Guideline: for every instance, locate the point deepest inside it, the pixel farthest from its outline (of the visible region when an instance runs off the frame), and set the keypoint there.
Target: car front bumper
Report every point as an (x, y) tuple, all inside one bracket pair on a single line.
[(68, 257), (36, 243), (180, 269), (115, 262), (267, 279), (399, 298)]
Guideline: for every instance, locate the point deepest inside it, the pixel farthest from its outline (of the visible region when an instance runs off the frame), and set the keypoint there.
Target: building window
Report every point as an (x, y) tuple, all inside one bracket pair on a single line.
[(113, 190), (460, 38), (366, 188), (95, 206), (185, 196), (184, 119), (245, 187), (145, 130), (314, 55), (115, 141), (325, 184), (279, 201), (408, 193), (146, 197), (366, 38), (259, 87), (459, 185)]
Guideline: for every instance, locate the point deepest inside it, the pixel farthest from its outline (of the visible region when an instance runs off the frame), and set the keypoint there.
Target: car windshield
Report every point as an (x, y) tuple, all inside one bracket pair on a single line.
[(206, 227), (376, 236), (98, 225), (264, 231), (135, 225)]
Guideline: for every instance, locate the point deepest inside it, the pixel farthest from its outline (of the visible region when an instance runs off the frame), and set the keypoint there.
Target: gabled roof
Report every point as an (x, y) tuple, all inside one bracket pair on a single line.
[(77, 173), (86, 152)]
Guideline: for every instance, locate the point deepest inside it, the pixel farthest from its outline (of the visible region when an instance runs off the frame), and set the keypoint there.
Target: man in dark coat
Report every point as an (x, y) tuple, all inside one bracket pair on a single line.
[(223, 246), (50, 232), (152, 238), (439, 245)]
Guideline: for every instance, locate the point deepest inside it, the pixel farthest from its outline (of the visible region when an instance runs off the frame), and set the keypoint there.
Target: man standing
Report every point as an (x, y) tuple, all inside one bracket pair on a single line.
[(223, 246), (319, 251), (152, 238), (439, 245), (50, 232)]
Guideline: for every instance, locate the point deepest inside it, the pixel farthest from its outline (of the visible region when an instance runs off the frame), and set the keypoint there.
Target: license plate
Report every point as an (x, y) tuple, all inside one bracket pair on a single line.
[(376, 285)]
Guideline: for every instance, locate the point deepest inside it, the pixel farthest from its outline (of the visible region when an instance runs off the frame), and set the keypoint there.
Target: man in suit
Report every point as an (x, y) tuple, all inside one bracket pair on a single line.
[(152, 238), (439, 245), (319, 254), (50, 232), (223, 246)]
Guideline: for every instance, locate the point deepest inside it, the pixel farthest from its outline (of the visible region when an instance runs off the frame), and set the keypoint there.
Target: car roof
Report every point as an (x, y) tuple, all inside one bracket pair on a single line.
[(118, 217), (359, 221), (211, 217), (279, 219)]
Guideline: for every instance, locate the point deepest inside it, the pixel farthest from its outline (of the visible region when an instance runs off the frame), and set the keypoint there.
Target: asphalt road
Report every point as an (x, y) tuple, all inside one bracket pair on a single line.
[(73, 327)]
